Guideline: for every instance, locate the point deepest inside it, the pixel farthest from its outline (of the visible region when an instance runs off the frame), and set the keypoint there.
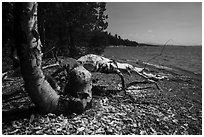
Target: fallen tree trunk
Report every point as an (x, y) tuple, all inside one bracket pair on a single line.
[(96, 63)]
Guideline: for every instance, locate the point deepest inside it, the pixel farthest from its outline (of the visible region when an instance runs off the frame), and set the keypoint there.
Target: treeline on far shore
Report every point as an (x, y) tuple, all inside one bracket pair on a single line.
[(73, 28)]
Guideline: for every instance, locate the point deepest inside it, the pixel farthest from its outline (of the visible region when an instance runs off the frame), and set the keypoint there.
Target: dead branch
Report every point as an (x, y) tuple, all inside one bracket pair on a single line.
[(50, 66)]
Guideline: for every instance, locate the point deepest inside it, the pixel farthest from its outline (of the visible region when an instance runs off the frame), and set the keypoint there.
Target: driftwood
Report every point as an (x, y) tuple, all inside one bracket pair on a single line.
[(80, 84), (95, 63)]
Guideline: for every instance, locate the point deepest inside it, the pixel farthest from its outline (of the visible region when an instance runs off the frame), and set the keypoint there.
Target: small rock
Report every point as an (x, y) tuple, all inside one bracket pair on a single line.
[(142, 132), (134, 125), (166, 118), (58, 129), (112, 110), (108, 130), (175, 121), (80, 129)]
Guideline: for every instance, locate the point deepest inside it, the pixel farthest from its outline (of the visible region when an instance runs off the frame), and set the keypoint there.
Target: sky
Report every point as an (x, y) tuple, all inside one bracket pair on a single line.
[(156, 22)]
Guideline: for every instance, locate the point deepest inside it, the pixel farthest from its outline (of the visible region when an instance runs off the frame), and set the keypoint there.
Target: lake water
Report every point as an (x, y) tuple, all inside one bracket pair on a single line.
[(185, 58)]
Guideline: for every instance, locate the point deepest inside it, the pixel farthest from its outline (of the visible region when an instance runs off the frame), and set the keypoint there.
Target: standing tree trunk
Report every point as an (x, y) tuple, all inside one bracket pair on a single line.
[(28, 47)]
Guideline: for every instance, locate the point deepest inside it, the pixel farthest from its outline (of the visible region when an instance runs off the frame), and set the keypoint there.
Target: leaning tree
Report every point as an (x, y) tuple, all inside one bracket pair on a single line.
[(28, 45)]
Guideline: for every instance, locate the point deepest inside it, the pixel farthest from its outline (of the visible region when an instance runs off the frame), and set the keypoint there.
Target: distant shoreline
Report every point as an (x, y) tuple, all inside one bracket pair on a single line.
[(149, 45)]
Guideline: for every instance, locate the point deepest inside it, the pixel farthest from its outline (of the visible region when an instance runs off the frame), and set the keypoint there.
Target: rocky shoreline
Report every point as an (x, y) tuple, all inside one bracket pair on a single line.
[(144, 110)]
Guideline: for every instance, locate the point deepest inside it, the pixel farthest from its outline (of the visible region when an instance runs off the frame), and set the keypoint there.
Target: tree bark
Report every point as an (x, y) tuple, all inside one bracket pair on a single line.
[(28, 47)]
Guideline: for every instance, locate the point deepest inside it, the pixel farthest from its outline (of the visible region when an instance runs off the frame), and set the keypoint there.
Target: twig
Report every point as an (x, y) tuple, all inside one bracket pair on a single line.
[(49, 50), (162, 50), (50, 66), (149, 79)]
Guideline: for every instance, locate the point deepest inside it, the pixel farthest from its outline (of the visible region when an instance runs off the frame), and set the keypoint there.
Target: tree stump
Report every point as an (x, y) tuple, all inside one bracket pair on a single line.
[(80, 85)]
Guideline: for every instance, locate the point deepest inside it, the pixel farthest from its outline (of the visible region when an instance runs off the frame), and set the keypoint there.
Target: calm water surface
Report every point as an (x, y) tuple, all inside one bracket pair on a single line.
[(187, 58)]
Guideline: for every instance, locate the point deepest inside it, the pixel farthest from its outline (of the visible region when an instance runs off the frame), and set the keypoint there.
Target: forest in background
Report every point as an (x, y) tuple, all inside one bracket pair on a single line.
[(73, 28)]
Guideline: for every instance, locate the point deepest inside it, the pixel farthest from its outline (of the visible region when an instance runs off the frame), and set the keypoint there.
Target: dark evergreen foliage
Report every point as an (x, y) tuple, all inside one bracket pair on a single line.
[(74, 28)]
